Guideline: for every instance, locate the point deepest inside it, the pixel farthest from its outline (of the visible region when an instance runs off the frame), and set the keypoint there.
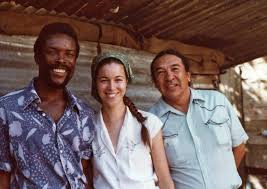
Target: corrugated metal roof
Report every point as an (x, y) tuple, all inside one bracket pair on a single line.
[(236, 27)]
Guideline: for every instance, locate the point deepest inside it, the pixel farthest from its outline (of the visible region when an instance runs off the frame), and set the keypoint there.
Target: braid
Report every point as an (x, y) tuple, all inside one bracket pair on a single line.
[(140, 118)]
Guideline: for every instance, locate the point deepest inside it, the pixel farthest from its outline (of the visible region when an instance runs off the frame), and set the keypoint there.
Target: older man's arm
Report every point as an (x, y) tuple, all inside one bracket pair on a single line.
[(239, 153)]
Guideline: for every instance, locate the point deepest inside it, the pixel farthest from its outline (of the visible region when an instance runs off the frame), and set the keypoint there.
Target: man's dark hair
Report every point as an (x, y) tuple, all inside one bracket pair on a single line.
[(169, 52), (51, 29)]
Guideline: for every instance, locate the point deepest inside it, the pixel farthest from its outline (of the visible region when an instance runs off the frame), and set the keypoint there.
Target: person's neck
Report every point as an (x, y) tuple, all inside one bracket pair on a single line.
[(48, 93), (113, 116), (181, 103)]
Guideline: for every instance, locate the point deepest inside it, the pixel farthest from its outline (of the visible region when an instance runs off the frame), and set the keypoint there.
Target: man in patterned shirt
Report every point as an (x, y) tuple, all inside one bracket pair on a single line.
[(45, 131)]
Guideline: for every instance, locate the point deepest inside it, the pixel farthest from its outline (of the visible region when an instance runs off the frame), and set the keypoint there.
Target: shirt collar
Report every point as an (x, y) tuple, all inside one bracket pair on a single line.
[(99, 120), (31, 97), (73, 101), (196, 95), (163, 108)]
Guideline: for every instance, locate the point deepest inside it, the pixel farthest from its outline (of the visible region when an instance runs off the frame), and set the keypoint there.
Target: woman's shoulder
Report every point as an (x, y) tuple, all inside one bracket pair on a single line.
[(152, 123), (97, 118), (145, 113), (149, 116)]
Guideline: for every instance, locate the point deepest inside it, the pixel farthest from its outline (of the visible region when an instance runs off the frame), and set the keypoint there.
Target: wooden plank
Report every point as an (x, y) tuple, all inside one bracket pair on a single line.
[(11, 23), (257, 171), (205, 81), (203, 60), (256, 126), (192, 14), (140, 12), (257, 152), (158, 13), (220, 18), (152, 22), (256, 112)]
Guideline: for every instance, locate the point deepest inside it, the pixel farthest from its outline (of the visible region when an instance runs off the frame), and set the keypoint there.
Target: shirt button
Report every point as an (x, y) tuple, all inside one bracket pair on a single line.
[(61, 151), (43, 114)]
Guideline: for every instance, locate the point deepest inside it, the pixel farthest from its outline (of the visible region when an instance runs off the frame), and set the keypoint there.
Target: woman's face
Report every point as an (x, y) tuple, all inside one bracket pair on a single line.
[(111, 84)]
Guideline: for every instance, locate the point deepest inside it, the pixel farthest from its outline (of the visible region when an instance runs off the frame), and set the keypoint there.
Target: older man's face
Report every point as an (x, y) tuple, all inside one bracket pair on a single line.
[(170, 77)]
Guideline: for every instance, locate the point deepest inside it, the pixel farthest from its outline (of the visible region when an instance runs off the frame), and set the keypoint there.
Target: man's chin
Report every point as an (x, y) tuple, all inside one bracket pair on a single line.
[(172, 96), (58, 85)]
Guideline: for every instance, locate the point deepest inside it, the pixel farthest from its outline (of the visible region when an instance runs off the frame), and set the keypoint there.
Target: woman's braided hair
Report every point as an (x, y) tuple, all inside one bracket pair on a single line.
[(140, 118)]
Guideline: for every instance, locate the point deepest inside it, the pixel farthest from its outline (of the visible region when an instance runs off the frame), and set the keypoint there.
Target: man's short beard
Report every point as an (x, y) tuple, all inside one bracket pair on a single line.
[(59, 86)]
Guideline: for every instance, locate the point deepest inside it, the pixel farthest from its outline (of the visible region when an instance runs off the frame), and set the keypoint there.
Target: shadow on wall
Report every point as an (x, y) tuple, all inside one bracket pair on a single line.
[(255, 94), (252, 100)]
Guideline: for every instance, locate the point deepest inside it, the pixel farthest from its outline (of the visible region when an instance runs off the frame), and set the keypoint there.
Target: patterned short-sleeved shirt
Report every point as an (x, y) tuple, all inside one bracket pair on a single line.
[(38, 152)]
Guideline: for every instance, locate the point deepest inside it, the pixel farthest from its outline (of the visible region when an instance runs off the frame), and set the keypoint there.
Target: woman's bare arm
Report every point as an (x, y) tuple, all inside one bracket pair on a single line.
[(160, 163)]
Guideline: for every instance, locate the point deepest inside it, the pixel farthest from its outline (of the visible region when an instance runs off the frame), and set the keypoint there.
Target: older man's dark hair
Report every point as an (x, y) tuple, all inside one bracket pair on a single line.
[(169, 52)]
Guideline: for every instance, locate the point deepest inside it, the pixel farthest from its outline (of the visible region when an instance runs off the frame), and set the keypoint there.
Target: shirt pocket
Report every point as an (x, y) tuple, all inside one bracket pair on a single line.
[(218, 122), (171, 144)]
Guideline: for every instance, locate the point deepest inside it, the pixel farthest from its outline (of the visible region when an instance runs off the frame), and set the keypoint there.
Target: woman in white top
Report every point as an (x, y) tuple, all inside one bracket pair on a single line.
[(128, 142)]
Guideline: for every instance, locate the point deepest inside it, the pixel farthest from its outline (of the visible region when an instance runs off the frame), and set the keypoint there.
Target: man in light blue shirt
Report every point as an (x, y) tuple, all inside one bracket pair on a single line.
[(203, 137)]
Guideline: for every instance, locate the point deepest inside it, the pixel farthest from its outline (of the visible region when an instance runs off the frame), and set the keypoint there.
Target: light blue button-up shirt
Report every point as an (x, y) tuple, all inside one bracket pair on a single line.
[(199, 143)]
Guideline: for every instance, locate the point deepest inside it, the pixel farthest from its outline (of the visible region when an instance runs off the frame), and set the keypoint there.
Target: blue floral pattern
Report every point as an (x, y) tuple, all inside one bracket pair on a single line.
[(38, 152)]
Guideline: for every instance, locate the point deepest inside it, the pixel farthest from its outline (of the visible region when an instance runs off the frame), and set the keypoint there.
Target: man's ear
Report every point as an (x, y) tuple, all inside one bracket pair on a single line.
[(152, 79), (37, 58), (189, 79), (155, 83), (189, 76)]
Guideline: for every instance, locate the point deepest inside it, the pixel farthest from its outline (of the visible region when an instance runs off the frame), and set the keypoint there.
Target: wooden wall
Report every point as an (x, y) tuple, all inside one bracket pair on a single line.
[(254, 76), (251, 98), (255, 96), (230, 85)]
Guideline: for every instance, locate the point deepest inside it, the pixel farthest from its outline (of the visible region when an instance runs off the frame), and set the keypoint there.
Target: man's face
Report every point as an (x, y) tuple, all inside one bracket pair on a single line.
[(57, 60), (170, 77)]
